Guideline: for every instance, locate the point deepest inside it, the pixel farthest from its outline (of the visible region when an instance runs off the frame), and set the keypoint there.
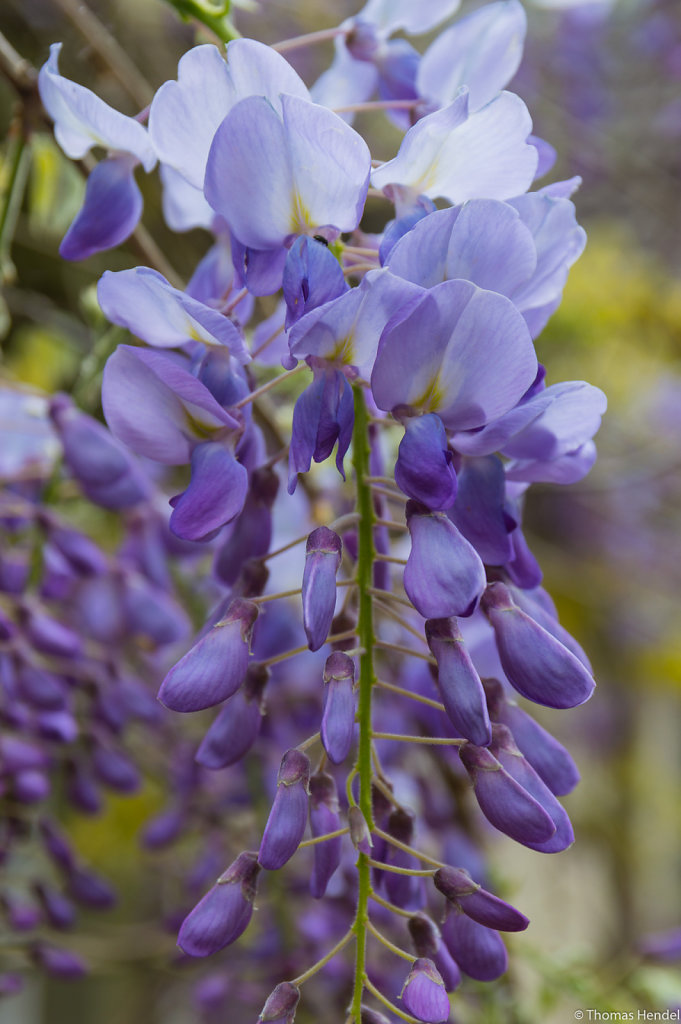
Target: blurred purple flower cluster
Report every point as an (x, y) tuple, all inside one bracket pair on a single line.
[(367, 684)]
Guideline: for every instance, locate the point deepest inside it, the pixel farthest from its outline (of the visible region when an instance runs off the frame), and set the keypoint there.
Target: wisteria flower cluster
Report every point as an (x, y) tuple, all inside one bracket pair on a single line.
[(377, 683)]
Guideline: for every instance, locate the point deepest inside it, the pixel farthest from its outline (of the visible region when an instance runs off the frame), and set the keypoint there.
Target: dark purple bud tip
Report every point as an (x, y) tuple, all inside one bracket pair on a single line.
[(459, 888), (338, 719), (215, 667), (60, 963), (322, 561), (424, 994), (288, 816), (538, 665), (224, 912), (280, 1007), (359, 831)]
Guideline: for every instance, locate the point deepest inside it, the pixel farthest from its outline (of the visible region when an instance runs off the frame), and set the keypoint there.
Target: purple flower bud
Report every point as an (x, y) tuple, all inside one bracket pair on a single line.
[(215, 667), (224, 912), (10, 984), (549, 758), (281, 1004), (90, 891), (407, 891), (460, 889), (428, 943), (51, 637), (288, 816), (22, 916), (163, 829), (359, 831), (479, 951), (322, 560), (59, 910), (61, 963), (424, 469), (56, 845), (83, 555), (40, 688), (18, 755), (30, 787), (424, 994), (324, 818), (115, 769), (443, 575), (338, 720), (237, 726), (59, 726), (82, 790), (536, 664), (503, 801), (523, 773), (458, 682)]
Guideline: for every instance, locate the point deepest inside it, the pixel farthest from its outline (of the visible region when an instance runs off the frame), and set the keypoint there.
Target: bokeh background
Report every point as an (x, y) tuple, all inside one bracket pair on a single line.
[(603, 82)]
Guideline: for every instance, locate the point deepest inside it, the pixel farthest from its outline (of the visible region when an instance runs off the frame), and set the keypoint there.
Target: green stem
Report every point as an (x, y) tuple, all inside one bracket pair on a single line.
[(365, 634), (17, 161)]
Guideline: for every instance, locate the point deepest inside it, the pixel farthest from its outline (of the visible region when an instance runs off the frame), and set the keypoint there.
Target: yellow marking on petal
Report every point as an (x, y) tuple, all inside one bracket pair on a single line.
[(343, 351), (431, 398), (301, 219)]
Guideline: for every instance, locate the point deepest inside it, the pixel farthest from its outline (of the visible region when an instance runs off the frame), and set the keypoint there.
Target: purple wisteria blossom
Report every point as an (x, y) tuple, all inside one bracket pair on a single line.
[(369, 642)]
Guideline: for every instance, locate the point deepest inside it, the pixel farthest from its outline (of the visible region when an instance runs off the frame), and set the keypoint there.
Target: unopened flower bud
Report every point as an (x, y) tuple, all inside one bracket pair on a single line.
[(428, 943), (443, 575), (536, 664), (324, 818), (280, 1007), (479, 951), (322, 561), (224, 912), (338, 719), (359, 831), (503, 801), (215, 667), (288, 816), (459, 888), (458, 681), (424, 994)]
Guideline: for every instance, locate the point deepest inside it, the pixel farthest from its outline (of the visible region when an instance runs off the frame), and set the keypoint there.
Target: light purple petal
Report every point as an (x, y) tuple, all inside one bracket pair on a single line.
[(346, 331), (414, 19), (272, 177), (184, 205), (258, 70), (142, 300), (454, 156), (559, 241), (347, 82), (110, 211), (483, 241), (482, 51), (156, 407), (473, 361), (185, 114), (82, 120)]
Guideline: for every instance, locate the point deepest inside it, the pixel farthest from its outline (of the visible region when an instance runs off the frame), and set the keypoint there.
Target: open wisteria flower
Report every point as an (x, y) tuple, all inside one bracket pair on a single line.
[(379, 633)]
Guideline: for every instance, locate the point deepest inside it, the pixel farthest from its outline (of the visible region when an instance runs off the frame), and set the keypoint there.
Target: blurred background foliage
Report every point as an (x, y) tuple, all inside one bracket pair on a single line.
[(604, 86)]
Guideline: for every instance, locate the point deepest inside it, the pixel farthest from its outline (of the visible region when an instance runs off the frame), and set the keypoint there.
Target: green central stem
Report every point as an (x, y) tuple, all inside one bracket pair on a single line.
[(365, 633)]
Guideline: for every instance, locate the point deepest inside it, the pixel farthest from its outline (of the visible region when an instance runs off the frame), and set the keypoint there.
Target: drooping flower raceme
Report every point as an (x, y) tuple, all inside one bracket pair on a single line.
[(410, 350)]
